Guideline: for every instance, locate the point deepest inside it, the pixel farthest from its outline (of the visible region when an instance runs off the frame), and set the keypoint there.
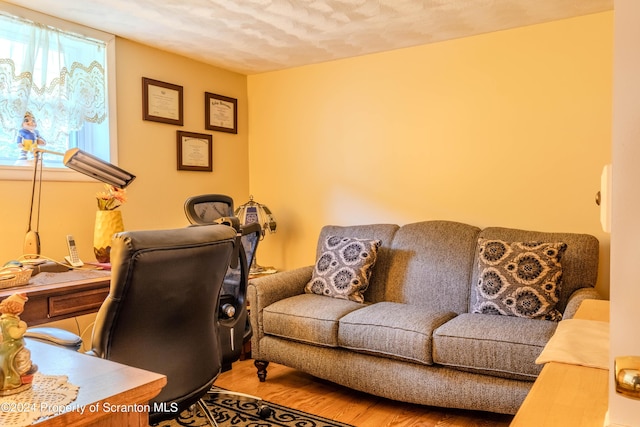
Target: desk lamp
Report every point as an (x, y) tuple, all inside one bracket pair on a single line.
[(79, 161), (252, 212)]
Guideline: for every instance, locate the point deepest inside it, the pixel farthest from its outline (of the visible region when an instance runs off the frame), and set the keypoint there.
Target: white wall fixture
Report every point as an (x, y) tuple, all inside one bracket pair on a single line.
[(604, 198)]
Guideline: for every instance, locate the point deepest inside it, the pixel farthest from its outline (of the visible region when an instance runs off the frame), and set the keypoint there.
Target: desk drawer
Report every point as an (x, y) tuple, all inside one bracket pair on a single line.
[(77, 302)]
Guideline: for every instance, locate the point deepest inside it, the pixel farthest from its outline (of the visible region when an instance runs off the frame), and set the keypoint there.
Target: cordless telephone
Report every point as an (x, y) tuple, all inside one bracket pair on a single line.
[(73, 259)]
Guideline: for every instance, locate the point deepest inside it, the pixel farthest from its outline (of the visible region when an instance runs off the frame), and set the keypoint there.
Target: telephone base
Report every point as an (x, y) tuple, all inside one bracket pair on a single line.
[(67, 259)]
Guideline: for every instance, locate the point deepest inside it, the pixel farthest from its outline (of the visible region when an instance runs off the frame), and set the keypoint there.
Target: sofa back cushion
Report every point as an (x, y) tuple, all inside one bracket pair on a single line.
[(382, 232), (579, 261), (432, 265)]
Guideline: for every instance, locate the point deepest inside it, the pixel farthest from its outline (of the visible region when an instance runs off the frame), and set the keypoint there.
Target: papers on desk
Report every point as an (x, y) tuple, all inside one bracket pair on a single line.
[(578, 342)]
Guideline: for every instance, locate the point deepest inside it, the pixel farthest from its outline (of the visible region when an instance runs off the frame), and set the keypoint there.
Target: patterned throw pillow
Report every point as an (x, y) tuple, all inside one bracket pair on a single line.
[(344, 268), (519, 279)]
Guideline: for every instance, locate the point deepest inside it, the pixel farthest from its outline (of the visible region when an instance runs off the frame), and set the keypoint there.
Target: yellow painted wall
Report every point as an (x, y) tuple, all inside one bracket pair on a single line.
[(510, 128), (504, 129), (147, 149)]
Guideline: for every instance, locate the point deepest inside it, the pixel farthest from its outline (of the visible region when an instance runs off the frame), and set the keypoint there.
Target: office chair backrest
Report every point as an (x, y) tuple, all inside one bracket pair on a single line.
[(235, 330), (207, 208), (161, 311)]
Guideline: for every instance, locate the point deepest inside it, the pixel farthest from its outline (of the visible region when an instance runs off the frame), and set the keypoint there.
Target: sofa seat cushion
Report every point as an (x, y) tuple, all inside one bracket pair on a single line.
[(308, 318), (502, 346), (395, 330)]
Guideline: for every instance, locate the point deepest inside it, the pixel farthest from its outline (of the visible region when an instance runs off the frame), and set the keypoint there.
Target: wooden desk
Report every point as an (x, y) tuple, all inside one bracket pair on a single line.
[(57, 296), (104, 386), (569, 395)]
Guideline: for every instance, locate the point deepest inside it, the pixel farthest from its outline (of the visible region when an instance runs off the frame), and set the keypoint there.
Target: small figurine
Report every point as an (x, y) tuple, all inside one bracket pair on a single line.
[(28, 136), (16, 369)]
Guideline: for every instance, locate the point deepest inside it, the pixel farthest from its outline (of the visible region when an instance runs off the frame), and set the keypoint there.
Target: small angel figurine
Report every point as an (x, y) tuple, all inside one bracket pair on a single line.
[(16, 369), (28, 136)]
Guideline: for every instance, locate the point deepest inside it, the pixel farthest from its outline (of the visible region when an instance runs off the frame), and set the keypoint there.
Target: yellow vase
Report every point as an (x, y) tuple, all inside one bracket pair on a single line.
[(107, 224)]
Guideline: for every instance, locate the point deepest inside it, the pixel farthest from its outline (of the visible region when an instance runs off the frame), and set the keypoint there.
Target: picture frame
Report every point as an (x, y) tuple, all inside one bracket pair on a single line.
[(221, 113), (162, 102), (195, 151)]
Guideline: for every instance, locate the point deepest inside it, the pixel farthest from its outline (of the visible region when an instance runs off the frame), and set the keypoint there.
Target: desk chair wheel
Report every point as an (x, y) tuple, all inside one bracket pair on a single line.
[(264, 412)]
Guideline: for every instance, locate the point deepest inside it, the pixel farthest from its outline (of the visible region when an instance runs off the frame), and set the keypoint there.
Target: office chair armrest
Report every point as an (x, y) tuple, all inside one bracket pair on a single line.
[(56, 336)]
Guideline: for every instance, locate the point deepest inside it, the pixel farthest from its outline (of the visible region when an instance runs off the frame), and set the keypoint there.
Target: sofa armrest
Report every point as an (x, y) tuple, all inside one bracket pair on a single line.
[(576, 298), (273, 287), (264, 291)]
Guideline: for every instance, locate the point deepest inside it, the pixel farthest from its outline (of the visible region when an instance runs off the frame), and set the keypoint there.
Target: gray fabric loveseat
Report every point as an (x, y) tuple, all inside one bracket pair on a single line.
[(453, 316)]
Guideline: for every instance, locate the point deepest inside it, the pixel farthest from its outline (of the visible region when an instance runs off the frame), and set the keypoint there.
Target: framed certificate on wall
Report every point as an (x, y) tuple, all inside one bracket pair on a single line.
[(195, 151), (221, 113), (162, 102)]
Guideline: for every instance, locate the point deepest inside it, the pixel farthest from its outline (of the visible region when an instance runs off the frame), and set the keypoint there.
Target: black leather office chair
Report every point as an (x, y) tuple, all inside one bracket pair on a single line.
[(235, 328), (161, 311)]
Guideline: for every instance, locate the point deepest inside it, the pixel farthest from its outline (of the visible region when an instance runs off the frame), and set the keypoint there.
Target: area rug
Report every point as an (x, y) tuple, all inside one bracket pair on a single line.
[(231, 411)]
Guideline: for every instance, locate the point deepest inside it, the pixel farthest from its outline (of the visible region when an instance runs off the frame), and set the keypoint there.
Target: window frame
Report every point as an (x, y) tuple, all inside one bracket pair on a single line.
[(25, 173)]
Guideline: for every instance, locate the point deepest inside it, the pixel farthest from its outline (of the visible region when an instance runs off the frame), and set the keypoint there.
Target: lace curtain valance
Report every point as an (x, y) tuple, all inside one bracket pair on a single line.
[(59, 77)]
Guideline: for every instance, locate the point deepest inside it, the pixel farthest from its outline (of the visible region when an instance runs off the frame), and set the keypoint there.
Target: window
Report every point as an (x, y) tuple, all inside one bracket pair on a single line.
[(62, 75)]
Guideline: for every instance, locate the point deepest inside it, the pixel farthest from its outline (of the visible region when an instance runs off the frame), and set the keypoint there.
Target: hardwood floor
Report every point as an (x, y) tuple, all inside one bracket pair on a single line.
[(288, 387)]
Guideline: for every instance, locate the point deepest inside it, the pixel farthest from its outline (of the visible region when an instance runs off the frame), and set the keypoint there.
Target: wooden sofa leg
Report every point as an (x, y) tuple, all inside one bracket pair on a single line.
[(262, 369)]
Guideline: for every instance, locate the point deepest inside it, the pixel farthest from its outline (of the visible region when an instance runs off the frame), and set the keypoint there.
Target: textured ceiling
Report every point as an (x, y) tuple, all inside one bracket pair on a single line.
[(254, 36)]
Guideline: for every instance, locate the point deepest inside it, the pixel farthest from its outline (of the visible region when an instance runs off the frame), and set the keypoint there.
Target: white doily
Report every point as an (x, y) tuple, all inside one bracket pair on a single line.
[(48, 395)]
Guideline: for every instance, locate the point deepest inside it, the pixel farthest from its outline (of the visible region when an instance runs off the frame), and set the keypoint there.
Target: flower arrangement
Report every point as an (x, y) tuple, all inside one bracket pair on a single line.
[(111, 198)]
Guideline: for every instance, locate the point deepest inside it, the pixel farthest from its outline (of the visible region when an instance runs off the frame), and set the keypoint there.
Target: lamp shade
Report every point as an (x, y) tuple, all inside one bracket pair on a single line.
[(254, 212), (79, 161), (97, 168)]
